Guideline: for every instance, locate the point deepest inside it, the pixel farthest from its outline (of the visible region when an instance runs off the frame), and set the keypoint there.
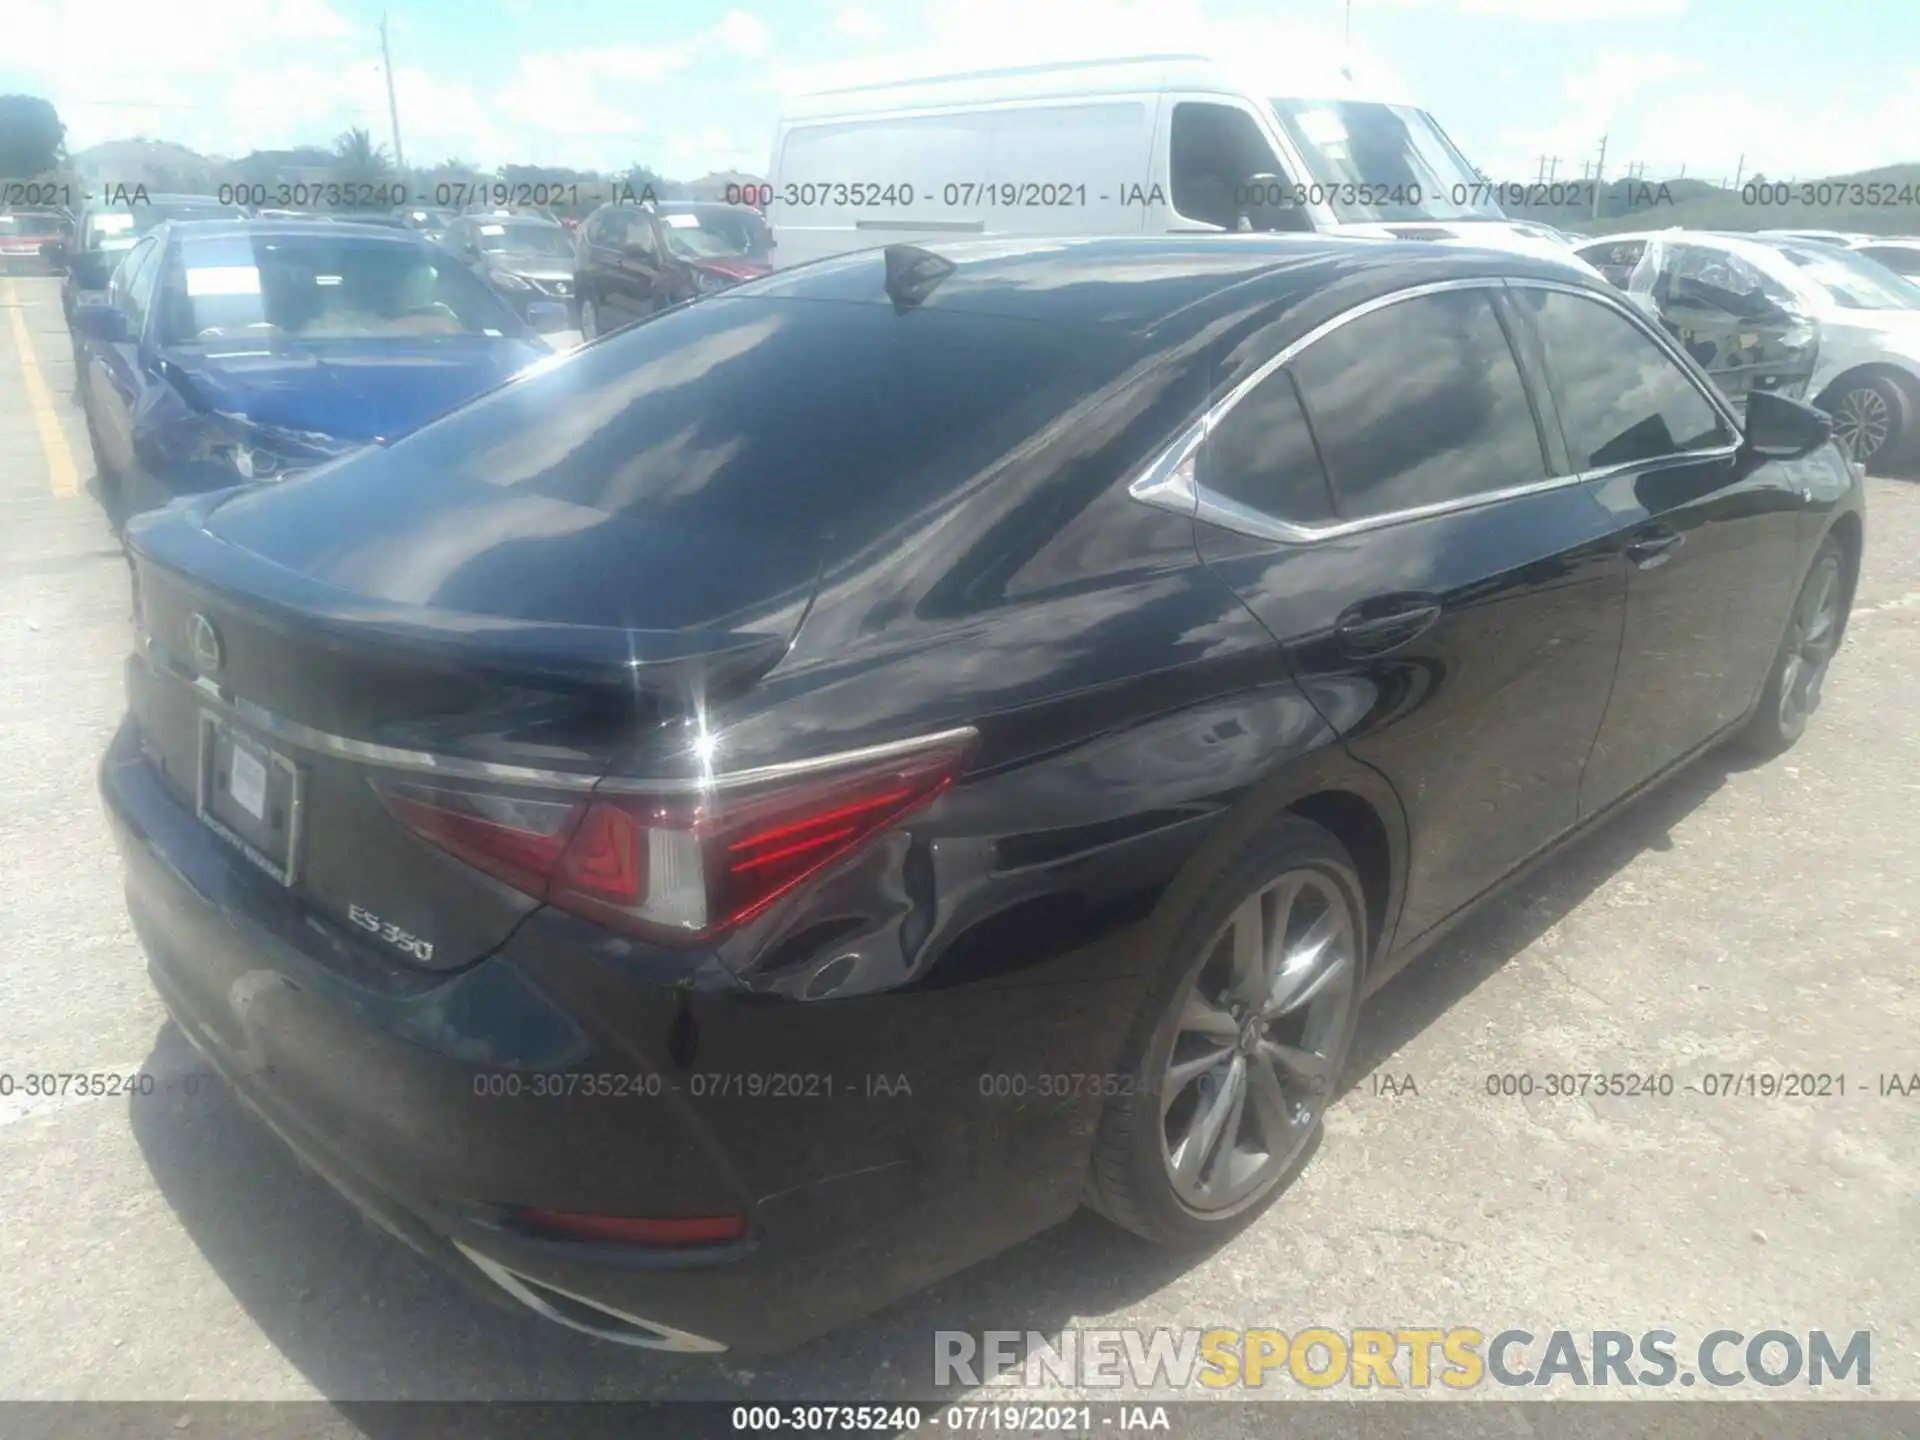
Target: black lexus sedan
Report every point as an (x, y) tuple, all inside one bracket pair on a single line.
[(796, 796)]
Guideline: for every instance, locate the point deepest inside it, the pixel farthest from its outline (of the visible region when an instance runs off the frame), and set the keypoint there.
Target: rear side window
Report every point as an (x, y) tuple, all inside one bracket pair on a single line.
[(1621, 397), (772, 415), (1420, 403), (1261, 455)]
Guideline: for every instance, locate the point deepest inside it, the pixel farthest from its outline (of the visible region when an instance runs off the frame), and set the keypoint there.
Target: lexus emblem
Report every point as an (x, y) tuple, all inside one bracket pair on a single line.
[(204, 640)]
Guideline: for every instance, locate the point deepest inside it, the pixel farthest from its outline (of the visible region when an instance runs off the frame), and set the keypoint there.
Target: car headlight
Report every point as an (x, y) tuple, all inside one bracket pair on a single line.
[(256, 454), (707, 283), (507, 280)]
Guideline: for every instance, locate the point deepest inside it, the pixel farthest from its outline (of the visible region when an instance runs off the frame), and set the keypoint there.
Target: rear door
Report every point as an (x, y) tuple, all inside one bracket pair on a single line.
[(1711, 541), (1393, 505)]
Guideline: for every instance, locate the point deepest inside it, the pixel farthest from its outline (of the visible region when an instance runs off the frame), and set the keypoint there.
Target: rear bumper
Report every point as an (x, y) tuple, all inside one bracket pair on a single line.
[(430, 1101)]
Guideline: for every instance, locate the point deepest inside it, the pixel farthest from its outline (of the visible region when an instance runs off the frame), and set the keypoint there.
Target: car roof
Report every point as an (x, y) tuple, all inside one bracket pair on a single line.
[(319, 229), (1311, 67), (1143, 283), (681, 207), (155, 199)]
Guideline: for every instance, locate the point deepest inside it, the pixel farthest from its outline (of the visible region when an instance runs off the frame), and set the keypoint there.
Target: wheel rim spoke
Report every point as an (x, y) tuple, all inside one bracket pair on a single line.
[(1209, 1128), (1318, 959), (1202, 1016), (1184, 1073), (1249, 940), (1273, 1114), (1307, 1069)]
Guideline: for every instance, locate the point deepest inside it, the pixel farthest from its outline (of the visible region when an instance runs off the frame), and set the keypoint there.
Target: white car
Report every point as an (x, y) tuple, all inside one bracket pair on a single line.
[(1803, 318)]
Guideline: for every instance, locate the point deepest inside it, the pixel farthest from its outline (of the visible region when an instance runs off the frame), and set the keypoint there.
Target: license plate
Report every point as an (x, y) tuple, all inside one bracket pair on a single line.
[(250, 796)]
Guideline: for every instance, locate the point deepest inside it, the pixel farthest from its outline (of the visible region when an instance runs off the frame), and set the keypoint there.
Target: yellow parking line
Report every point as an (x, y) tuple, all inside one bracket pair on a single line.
[(62, 475)]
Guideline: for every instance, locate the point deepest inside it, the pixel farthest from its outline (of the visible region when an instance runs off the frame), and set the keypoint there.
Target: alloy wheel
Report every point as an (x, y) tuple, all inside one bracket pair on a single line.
[(1862, 422), (1811, 642), (1257, 1046)]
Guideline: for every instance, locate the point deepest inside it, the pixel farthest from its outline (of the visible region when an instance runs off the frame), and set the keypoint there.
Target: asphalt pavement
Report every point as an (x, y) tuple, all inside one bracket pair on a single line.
[(1740, 921)]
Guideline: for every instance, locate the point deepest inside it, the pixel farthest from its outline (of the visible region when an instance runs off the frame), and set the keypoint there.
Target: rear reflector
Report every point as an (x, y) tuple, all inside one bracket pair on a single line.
[(633, 1230), (676, 866)]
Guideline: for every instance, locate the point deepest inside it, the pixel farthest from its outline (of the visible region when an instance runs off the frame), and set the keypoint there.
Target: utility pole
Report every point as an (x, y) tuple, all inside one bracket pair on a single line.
[(1553, 169), (1599, 178), (1740, 171), (393, 105), (1346, 34)]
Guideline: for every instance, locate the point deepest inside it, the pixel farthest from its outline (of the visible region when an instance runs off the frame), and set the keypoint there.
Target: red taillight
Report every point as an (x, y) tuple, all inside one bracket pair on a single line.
[(635, 1230), (681, 866), (518, 840)]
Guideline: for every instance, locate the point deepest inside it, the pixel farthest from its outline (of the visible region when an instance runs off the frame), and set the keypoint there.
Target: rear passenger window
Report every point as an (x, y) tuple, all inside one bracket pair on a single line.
[(1621, 397), (1261, 455), (1420, 403)]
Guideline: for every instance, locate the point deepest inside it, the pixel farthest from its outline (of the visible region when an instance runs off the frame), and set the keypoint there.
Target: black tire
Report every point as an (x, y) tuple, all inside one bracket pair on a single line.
[(589, 318), (1132, 1180), (1813, 635), (1872, 417)]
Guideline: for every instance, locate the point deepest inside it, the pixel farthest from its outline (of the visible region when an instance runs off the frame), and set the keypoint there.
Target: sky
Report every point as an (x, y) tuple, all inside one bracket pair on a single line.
[(1787, 87)]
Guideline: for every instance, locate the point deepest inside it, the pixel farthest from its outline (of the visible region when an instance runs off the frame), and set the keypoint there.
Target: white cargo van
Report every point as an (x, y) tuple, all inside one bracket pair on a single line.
[(1142, 145)]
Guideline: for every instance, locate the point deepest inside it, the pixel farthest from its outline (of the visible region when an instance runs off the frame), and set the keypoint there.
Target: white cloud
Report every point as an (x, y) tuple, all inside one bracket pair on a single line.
[(744, 34), (1597, 100), (857, 22), (1543, 11)]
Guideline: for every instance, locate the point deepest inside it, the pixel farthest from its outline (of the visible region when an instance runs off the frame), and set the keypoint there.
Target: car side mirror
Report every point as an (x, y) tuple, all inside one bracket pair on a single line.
[(1266, 200), (1780, 428), (99, 320)]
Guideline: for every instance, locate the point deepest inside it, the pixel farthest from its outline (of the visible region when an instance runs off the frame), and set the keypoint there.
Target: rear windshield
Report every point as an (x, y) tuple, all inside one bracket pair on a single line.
[(118, 229), (30, 225), (799, 416)]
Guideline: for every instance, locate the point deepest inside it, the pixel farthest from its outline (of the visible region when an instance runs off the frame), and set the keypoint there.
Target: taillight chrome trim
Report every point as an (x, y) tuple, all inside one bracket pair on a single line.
[(455, 767)]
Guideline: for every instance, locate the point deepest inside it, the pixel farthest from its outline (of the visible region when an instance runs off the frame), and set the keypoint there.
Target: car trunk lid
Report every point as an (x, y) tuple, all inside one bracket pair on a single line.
[(499, 636)]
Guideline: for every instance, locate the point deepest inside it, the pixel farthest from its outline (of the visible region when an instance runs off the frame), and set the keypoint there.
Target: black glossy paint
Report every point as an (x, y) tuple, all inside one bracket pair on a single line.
[(585, 569)]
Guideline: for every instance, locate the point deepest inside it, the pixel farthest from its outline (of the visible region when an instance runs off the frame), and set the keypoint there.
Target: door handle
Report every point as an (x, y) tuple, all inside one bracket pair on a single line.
[(1656, 549), (1365, 636)]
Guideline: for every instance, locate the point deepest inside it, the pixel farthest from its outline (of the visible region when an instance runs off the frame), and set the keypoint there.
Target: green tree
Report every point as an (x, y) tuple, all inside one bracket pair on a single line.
[(32, 139), (358, 161)]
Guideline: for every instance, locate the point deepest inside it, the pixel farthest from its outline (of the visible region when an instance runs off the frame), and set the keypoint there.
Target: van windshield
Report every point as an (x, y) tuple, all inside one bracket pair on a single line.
[(1384, 163)]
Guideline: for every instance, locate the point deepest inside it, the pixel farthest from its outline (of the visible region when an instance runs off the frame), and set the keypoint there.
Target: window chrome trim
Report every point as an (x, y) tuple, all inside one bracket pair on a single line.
[(1169, 481), (456, 767)]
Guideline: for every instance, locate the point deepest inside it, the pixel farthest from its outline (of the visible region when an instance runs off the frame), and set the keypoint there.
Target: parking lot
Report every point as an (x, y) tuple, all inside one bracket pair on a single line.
[(1742, 920)]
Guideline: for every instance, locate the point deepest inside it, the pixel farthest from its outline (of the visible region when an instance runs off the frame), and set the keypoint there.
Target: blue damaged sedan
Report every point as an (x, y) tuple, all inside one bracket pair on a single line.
[(225, 352)]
